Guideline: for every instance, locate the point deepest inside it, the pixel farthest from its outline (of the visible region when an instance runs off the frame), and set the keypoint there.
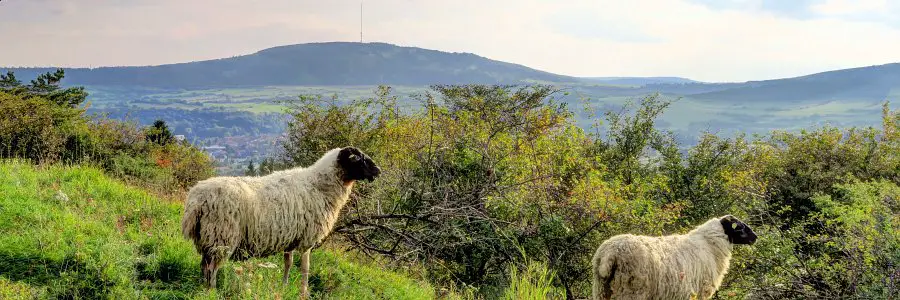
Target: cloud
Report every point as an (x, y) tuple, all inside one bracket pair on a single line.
[(800, 9), (589, 25), (876, 11), (848, 7), (733, 40)]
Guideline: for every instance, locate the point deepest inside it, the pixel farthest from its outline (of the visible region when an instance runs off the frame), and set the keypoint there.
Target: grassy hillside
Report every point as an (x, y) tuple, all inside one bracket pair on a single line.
[(74, 233)]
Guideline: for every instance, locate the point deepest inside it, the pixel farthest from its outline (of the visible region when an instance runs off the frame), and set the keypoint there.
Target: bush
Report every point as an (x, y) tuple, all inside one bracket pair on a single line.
[(34, 128), (45, 125), (479, 171)]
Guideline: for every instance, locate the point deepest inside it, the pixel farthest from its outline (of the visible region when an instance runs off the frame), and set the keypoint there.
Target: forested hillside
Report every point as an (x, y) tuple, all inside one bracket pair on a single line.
[(314, 64)]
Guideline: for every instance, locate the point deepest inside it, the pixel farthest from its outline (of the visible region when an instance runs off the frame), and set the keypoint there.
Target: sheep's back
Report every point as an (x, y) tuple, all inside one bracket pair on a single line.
[(285, 214)]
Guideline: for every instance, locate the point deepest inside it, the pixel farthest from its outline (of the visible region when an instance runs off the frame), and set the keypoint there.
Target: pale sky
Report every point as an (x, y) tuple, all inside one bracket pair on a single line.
[(708, 40)]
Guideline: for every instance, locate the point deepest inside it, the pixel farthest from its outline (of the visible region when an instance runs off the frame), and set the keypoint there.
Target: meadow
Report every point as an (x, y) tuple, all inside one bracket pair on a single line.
[(73, 232)]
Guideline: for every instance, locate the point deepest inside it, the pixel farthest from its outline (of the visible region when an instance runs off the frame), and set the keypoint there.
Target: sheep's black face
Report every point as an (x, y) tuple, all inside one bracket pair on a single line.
[(357, 165), (738, 233)]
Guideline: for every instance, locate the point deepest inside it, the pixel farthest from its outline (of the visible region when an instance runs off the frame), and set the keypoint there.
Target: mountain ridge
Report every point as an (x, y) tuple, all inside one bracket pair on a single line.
[(326, 63), (366, 64)]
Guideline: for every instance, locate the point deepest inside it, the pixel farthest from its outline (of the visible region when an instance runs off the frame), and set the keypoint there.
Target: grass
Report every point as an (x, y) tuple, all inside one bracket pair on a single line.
[(535, 281), (108, 240)]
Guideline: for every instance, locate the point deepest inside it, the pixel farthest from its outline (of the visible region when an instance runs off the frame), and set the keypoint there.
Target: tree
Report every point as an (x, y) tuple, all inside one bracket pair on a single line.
[(46, 86), (251, 170), (9, 81), (159, 133)]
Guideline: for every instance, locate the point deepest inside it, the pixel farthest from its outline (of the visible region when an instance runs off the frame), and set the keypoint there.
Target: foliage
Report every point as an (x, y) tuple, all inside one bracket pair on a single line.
[(45, 125), (534, 282), (479, 172), (319, 124), (107, 240), (827, 199), (471, 176), (35, 128), (159, 133), (45, 86), (492, 189), (251, 169)]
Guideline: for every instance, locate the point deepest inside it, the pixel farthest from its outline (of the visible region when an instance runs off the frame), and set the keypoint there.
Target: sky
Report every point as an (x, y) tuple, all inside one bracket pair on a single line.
[(707, 40)]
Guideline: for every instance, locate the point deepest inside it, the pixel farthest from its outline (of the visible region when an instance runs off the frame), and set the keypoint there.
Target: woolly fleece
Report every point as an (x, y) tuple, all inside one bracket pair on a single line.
[(666, 268)]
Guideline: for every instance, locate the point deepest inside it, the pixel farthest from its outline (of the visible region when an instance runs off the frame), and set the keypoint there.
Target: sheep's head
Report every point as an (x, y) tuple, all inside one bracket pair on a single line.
[(738, 233), (357, 165)]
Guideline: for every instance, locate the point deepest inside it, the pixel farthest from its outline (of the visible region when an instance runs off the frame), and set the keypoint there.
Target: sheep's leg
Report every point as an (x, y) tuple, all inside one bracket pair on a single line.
[(205, 266), (214, 269), (210, 265), (304, 266), (288, 261)]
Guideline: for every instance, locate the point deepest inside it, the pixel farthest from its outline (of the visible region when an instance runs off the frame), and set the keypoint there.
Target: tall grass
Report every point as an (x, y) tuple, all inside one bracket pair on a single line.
[(534, 282)]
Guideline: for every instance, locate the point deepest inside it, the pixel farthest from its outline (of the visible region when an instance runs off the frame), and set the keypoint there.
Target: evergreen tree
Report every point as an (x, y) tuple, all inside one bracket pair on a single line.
[(46, 85), (159, 133), (251, 170)]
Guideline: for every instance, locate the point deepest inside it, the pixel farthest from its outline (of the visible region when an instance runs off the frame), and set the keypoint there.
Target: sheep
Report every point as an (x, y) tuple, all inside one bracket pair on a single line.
[(239, 218), (682, 266)]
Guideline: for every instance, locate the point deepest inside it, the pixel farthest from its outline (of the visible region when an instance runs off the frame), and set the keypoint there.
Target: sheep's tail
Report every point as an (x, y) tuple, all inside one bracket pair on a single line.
[(604, 270), (190, 221)]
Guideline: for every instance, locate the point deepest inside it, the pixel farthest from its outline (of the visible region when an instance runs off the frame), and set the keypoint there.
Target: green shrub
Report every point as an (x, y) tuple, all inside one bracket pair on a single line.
[(479, 171), (45, 125)]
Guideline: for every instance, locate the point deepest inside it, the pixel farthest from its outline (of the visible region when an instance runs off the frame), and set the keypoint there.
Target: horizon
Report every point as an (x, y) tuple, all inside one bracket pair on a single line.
[(331, 42), (708, 41)]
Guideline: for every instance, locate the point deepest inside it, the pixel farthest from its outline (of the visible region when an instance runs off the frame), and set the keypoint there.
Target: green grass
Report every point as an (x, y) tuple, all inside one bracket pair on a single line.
[(113, 241), (535, 281)]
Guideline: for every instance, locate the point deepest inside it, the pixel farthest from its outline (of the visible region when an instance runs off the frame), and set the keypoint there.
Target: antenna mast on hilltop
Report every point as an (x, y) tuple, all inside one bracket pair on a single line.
[(360, 21)]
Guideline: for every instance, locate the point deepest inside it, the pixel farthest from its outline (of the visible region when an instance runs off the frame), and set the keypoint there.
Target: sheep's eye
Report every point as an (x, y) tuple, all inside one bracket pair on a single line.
[(354, 157)]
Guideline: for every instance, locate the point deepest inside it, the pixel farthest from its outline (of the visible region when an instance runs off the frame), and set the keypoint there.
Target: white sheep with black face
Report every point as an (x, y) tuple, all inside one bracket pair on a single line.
[(672, 267), (242, 217)]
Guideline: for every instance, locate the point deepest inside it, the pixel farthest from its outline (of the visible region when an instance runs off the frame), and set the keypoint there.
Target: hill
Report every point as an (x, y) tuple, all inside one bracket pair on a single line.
[(638, 81), (872, 83), (348, 64), (334, 63), (106, 239)]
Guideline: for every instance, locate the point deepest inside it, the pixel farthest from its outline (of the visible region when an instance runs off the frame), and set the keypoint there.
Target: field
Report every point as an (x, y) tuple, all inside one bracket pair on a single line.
[(252, 99), (74, 233), (688, 117), (684, 115)]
